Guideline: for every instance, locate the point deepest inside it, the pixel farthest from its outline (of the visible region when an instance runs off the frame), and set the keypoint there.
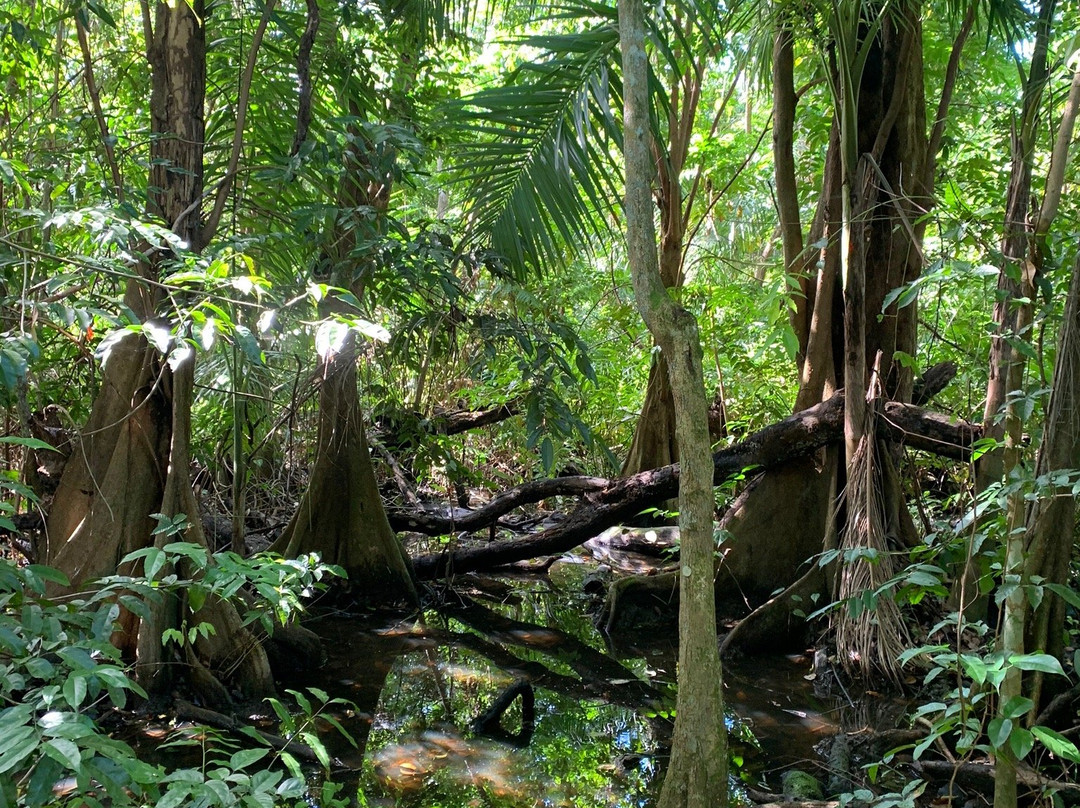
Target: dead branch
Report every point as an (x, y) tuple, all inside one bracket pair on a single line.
[(187, 711), (440, 524), (611, 501)]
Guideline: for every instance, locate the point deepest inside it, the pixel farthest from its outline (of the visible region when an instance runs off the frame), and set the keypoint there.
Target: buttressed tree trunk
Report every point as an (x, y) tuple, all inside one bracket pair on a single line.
[(697, 772), (132, 459), (341, 516)]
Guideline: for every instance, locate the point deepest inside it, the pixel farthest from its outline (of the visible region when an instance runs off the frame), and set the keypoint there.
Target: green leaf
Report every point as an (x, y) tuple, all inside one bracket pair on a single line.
[(1017, 707), (75, 689), (316, 745), (1021, 741), (153, 562), (39, 792), (998, 731), (1065, 593), (77, 658), (196, 596), (547, 454), (293, 765), (538, 153), (39, 667), (245, 757), (1057, 743), (1043, 663), (175, 796), (17, 746), (249, 344), (64, 752), (29, 443)]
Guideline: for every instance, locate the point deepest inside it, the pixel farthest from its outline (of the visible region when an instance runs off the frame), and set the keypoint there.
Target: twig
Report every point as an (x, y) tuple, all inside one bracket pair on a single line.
[(225, 187), (99, 115)]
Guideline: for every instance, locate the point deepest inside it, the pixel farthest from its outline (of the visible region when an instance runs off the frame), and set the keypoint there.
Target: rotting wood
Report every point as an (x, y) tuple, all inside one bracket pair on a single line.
[(610, 501)]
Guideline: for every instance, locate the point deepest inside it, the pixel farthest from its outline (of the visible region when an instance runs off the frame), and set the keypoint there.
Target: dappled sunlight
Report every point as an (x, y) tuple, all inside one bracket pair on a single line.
[(410, 766)]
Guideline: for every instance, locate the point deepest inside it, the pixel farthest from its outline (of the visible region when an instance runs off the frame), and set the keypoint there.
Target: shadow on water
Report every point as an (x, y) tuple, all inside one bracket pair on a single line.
[(600, 735)]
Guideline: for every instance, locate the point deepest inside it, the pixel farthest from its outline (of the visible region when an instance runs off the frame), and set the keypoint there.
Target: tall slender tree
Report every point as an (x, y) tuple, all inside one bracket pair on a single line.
[(697, 772)]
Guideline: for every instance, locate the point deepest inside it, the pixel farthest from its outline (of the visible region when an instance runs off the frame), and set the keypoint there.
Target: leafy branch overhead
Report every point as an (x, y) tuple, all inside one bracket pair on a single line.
[(540, 154)]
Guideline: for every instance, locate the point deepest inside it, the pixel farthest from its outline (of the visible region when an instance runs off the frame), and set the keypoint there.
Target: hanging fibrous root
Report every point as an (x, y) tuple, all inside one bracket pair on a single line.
[(870, 631)]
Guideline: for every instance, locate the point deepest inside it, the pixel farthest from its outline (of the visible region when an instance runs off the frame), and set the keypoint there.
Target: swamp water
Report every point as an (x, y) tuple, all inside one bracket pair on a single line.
[(418, 683)]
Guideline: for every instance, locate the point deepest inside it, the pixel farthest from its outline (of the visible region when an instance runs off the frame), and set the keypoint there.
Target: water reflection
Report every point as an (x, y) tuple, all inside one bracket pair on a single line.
[(418, 688), (420, 683)]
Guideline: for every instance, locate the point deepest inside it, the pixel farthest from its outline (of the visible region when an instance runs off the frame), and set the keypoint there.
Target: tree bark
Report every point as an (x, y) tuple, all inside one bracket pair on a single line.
[(341, 515), (697, 771)]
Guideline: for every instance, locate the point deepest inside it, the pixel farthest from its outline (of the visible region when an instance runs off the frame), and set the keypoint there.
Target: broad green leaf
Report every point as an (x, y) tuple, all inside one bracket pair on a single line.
[(245, 757), (75, 689), (1057, 743), (1021, 741), (1044, 663), (63, 751), (17, 746), (998, 731), (1017, 707)]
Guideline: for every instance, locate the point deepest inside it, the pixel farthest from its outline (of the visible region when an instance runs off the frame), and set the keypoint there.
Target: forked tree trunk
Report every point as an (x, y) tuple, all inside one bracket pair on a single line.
[(697, 771), (133, 457), (341, 515)]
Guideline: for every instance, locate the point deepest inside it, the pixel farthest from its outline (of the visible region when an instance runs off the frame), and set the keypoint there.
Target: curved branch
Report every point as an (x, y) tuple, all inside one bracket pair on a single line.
[(99, 114), (226, 183)]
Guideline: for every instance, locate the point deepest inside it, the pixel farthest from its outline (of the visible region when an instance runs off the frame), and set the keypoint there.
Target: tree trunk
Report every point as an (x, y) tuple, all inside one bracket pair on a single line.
[(697, 771), (341, 515), (654, 444), (133, 458)]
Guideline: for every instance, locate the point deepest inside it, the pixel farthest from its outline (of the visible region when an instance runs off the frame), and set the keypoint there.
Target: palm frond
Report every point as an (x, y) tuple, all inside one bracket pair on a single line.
[(540, 155)]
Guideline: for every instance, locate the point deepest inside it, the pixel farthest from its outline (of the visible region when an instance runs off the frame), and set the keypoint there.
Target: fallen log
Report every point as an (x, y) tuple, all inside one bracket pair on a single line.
[(980, 777), (440, 524), (452, 422), (609, 502)]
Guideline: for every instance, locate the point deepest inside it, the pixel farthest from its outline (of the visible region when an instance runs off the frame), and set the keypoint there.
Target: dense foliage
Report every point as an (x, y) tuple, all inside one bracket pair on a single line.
[(438, 186)]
